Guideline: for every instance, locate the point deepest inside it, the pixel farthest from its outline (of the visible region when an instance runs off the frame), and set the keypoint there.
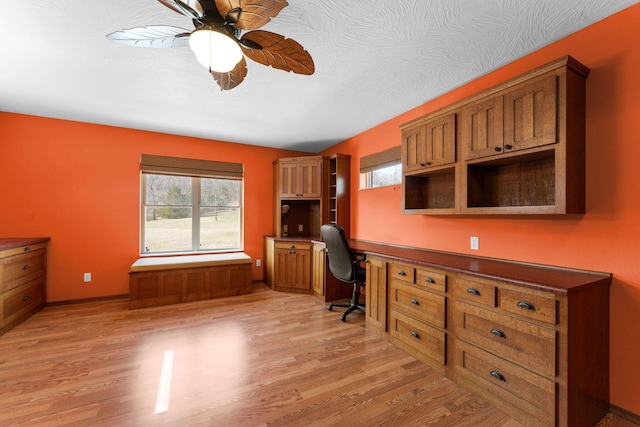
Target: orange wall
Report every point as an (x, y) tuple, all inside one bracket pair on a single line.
[(80, 184), (606, 238)]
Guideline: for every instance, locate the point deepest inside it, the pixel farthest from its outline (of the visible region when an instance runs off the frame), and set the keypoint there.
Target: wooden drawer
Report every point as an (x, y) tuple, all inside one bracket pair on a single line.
[(424, 306), (21, 268), (509, 385), (301, 246), (21, 300), (403, 272), (22, 250), (522, 342), (478, 292), (419, 339), (538, 306), (431, 280)]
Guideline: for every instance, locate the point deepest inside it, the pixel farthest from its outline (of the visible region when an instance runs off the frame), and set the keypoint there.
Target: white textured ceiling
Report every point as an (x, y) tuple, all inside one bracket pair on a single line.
[(375, 59)]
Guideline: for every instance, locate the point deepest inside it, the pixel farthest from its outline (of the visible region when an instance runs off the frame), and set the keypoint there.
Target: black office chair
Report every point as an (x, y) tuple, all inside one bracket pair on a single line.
[(344, 266)]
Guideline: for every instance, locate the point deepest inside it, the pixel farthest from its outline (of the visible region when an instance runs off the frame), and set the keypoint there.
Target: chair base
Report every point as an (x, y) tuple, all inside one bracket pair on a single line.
[(352, 305)]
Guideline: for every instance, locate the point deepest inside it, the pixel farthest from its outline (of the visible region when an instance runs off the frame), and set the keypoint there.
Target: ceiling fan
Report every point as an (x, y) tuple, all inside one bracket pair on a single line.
[(218, 41)]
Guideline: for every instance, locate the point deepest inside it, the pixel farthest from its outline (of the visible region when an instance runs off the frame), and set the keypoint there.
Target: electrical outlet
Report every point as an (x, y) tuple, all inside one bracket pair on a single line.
[(300, 227), (258, 262), (87, 277), (475, 243)]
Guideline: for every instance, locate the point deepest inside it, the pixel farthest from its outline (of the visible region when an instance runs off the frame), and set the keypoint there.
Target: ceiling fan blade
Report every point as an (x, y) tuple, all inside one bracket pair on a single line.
[(190, 8), (278, 52), (152, 36), (233, 78), (255, 13)]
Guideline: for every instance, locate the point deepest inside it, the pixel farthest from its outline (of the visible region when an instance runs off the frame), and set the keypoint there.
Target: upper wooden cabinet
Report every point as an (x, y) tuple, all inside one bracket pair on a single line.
[(519, 149), (300, 177), (429, 143), (523, 117)]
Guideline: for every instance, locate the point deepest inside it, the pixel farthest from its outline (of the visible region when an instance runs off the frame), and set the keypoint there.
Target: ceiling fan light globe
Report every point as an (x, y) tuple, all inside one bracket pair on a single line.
[(214, 50)]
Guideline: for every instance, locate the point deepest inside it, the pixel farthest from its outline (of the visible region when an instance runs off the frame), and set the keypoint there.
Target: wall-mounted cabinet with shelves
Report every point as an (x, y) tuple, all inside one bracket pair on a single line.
[(518, 149)]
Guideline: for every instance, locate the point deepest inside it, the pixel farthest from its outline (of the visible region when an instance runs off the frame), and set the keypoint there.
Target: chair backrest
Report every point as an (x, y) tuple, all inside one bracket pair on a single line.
[(341, 260)]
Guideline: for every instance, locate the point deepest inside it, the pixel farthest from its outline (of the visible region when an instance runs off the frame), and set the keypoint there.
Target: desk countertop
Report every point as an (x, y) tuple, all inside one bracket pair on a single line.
[(560, 280)]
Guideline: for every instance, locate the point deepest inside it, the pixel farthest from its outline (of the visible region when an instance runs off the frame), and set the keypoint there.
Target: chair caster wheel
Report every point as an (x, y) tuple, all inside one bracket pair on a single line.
[(330, 308), (343, 318)]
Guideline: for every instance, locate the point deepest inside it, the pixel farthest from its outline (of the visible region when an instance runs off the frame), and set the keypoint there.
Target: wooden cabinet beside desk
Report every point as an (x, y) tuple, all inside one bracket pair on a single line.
[(529, 339), (23, 266)]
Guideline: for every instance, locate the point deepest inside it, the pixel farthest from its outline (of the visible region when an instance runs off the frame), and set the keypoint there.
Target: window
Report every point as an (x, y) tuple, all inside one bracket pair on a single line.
[(190, 209), (381, 169), (388, 175)]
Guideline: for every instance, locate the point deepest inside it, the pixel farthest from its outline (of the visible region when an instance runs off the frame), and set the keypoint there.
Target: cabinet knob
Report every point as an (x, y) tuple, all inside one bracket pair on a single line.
[(508, 147), (497, 332), (415, 334), (415, 302), (292, 247), (25, 298), (430, 280), (25, 267), (402, 273), (473, 291), (526, 305), (425, 164), (27, 249), (497, 149), (497, 375)]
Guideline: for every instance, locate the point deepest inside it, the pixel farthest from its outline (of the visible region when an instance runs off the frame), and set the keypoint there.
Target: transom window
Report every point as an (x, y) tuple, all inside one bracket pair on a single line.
[(186, 213), (381, 169)]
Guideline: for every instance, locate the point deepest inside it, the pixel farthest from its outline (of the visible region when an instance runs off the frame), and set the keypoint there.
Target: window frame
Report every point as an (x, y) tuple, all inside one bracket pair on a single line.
[(377, 161), (195, 170)]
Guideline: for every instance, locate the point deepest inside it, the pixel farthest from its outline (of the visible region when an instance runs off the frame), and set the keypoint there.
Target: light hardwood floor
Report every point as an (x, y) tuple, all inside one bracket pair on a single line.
[(264, 359)]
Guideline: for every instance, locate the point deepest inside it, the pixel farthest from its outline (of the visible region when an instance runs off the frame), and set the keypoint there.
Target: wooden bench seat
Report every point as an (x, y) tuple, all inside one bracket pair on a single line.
[(175, 279)]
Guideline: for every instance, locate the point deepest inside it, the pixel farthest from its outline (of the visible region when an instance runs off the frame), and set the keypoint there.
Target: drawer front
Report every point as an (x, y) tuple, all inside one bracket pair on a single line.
[(21, 250), (424, 306), (478, 292), (23, 299), (540, 307), (426, 340), (22, 268), (431, 280), (528, 345), (403, 272), (507, 384), (301, 246)]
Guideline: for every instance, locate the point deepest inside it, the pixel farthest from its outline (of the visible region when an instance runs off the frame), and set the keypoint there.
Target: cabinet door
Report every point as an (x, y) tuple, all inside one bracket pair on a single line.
[(376, 294), (318, 269), (432, 143), (482, 128), (530, 115), (310, 178), (293, 268), (289, 181), (301, 178)]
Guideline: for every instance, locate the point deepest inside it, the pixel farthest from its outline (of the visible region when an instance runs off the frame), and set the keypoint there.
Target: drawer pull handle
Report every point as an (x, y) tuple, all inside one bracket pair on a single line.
[(526, 305), (415, 334), (430, 280), (27, 249), (25, 267), (415, 302), (292, 252), (497, 332), (292, 247), (473, 291), (25, 298), (402, 272), (497, 375)]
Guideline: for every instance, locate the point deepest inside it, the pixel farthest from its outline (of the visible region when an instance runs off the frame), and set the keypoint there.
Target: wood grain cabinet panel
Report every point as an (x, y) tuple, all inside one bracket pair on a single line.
[(376, 293), (23, 289), (429, 144), (482, 128)]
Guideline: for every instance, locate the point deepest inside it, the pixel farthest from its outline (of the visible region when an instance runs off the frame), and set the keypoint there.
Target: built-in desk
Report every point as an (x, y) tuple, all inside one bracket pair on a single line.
[(532, 340)]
